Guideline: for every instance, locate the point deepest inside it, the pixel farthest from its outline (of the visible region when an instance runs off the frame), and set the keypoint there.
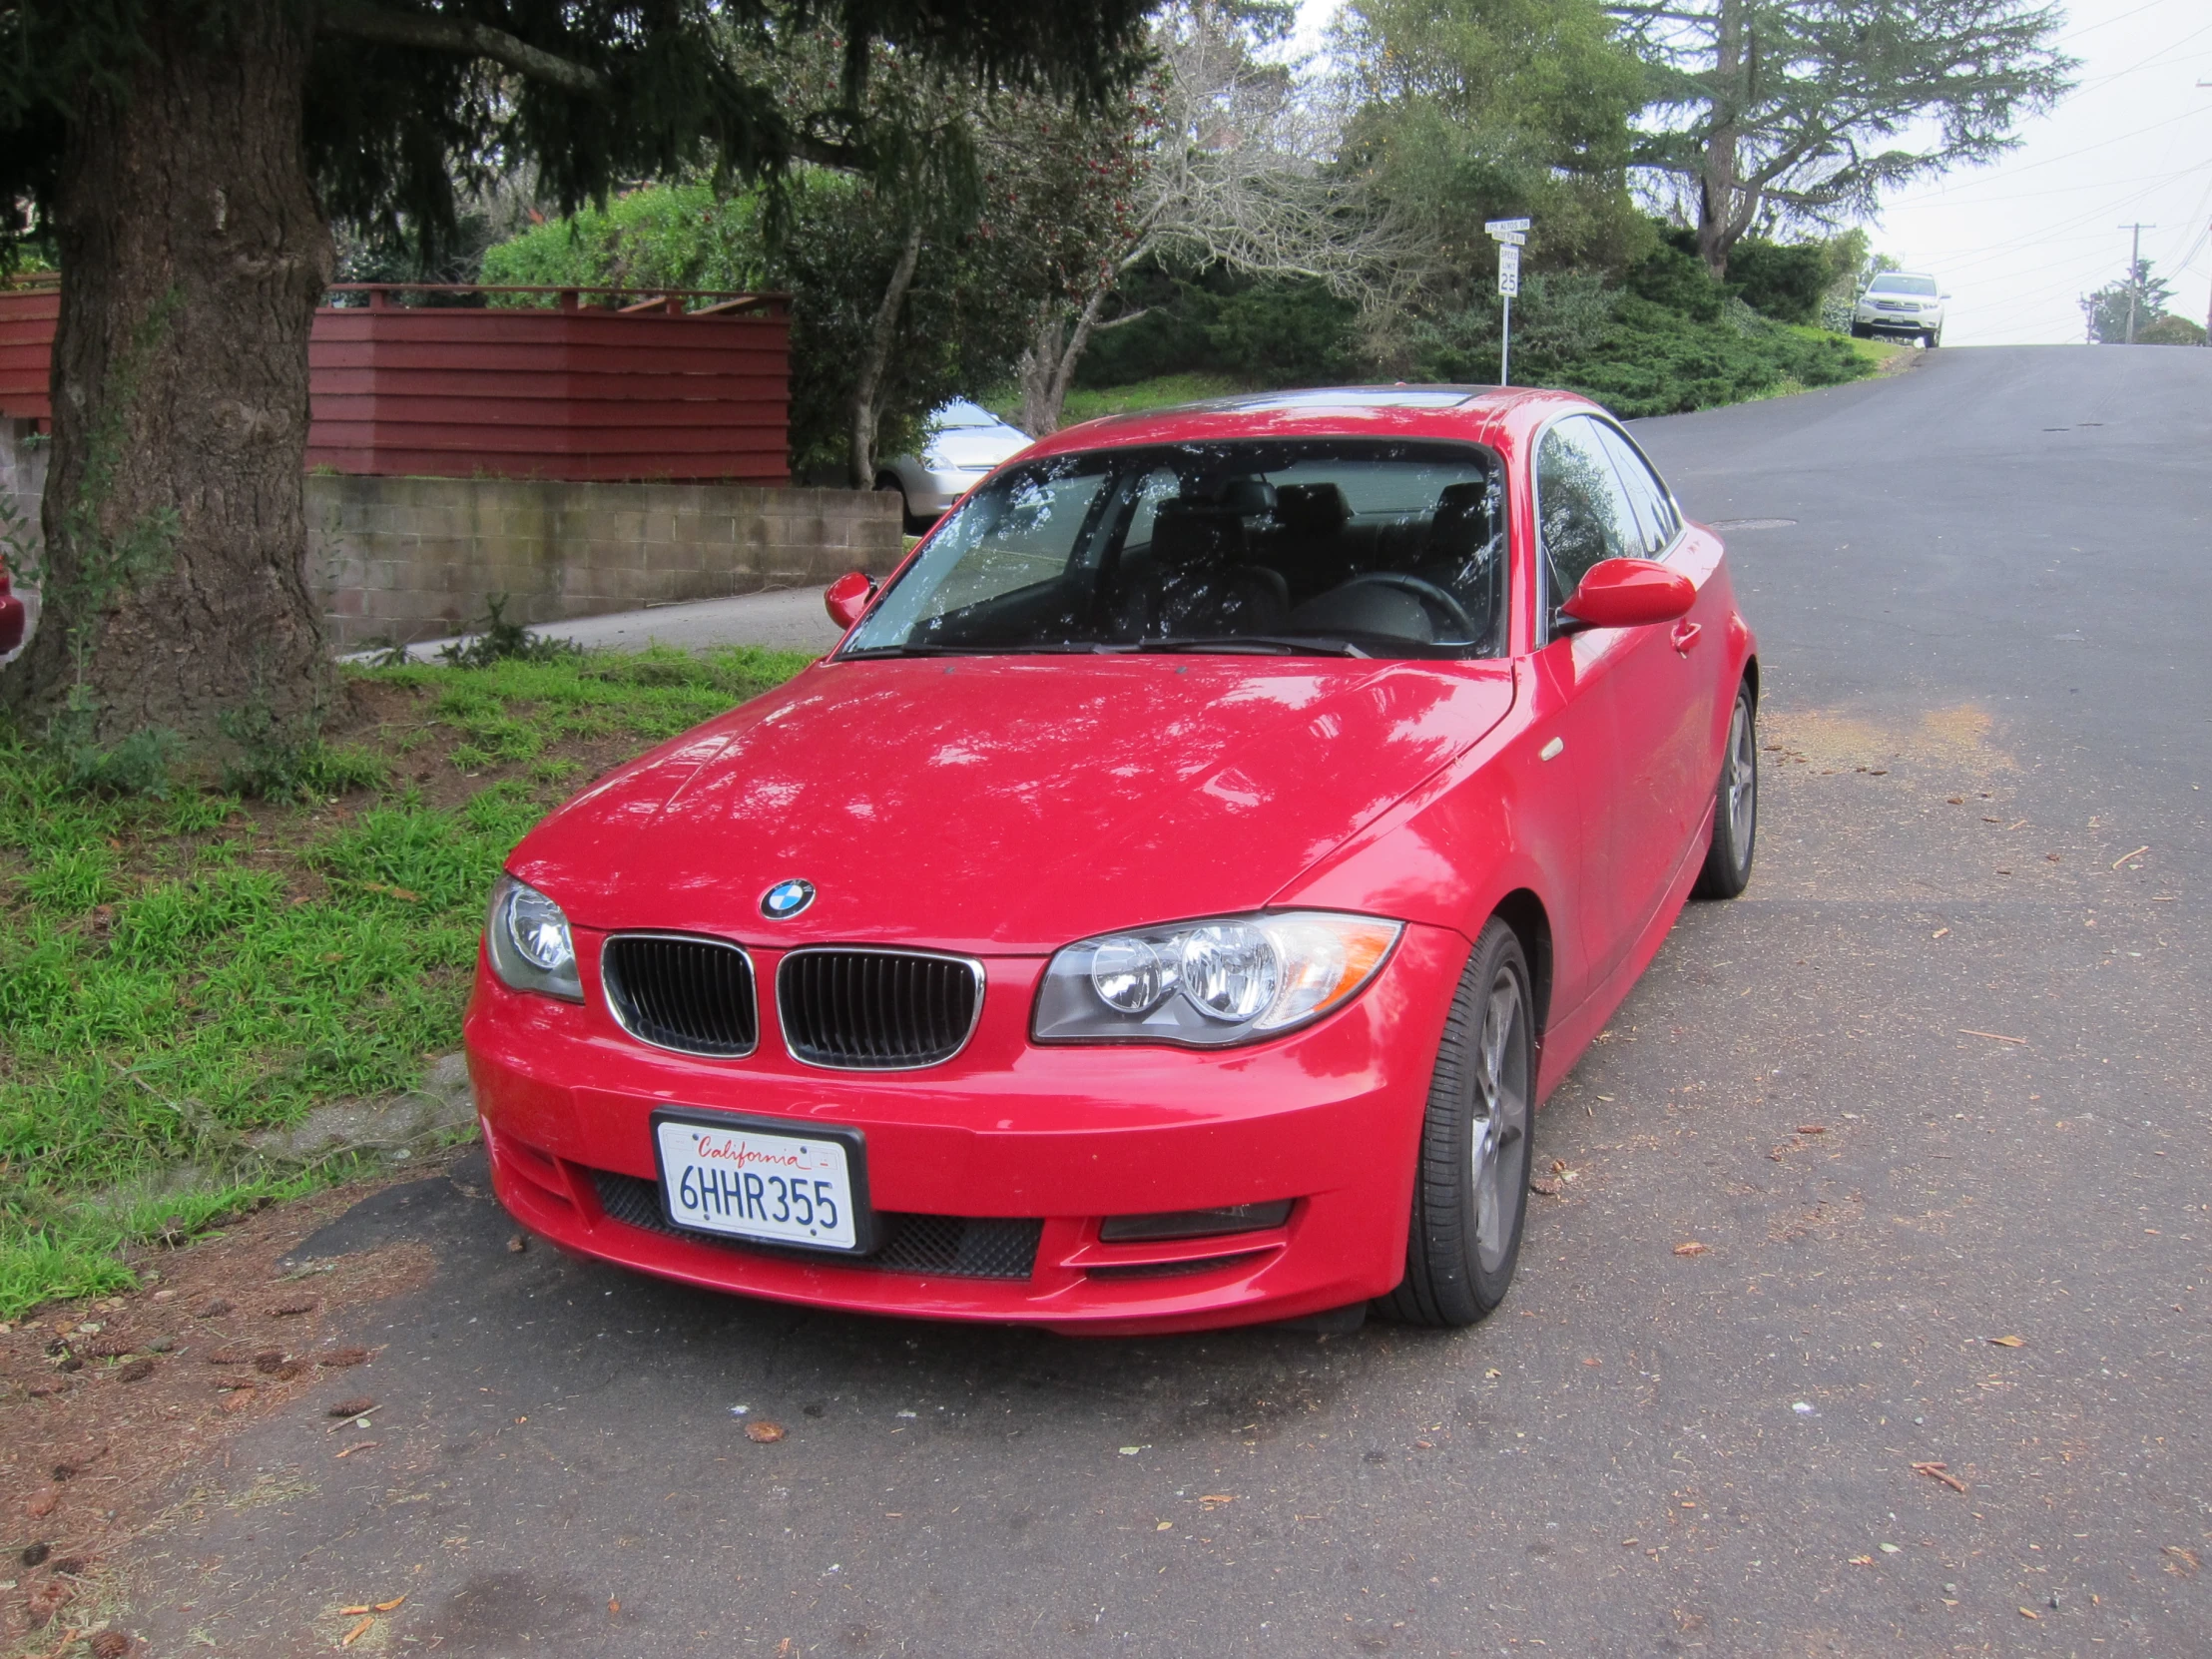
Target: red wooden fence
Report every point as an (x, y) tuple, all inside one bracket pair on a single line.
[(619, 391), (28, 314)]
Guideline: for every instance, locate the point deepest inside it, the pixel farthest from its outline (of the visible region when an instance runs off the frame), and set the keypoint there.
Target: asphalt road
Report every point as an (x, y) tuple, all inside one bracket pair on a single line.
[(1983, 628)]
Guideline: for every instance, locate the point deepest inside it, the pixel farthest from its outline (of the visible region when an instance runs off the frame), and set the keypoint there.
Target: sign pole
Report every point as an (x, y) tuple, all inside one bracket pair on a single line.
[(1511, 234)]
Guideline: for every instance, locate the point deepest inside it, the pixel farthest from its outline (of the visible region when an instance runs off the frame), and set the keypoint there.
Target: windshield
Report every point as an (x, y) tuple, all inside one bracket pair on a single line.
[(1904, 285), (1347, 548), (960, 412)]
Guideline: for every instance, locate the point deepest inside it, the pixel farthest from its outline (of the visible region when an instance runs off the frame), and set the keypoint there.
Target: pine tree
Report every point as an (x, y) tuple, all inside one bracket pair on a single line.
[(187, 160), (1764, 110)]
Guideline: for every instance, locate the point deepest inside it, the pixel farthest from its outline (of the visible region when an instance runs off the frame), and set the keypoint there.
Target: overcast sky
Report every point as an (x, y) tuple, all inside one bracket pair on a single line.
[(2018, 241)]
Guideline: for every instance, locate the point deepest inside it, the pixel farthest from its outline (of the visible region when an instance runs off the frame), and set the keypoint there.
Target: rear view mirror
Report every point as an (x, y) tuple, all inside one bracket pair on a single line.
[(1630, 593), (847, 597)]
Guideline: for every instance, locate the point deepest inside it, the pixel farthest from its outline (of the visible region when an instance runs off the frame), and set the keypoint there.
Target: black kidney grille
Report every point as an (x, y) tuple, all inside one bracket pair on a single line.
[(690, 995), (956, 1247), (876, 1011)]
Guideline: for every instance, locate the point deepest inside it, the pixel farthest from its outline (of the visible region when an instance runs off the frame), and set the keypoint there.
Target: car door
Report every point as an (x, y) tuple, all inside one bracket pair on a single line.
[(1603, 675), (1685, 684)]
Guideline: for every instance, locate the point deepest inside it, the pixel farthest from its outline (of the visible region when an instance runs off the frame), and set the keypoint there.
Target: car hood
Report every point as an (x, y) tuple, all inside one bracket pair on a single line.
[(972, 446), (1007, 805)]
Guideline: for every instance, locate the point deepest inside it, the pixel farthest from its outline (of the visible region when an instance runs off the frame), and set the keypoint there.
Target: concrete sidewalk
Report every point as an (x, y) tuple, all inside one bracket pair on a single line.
[(787, 618)]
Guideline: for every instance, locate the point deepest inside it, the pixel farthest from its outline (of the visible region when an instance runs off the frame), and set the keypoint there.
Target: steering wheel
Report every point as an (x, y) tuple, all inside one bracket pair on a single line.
[(1422, 589)]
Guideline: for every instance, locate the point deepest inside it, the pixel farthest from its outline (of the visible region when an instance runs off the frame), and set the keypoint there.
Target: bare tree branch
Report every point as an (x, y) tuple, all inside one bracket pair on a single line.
[(1234, 176)]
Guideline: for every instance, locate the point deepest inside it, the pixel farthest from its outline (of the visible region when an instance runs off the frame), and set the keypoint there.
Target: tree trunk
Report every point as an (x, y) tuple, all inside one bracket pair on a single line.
[(875, 358), (1039, 367), (193, 254), (1048, 365), (1715, 199)]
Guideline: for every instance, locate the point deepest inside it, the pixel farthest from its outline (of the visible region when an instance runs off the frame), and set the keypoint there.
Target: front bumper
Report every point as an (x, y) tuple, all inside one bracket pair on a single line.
[(1005, 1134)]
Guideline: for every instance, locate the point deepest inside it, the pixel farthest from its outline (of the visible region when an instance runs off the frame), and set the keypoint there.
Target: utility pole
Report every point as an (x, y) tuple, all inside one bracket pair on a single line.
[(2208, 307), (2135, 274)]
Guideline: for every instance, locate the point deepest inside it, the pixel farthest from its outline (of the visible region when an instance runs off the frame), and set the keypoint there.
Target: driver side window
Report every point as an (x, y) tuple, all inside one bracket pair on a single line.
[(1583, 515)]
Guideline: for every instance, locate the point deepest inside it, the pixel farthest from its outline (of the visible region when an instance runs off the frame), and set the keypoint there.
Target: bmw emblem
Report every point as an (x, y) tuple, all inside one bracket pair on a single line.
[(786, 899)]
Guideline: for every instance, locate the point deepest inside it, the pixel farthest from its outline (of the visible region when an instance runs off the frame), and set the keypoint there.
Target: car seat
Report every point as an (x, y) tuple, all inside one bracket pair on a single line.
[(1464, 551), (1199, 580)]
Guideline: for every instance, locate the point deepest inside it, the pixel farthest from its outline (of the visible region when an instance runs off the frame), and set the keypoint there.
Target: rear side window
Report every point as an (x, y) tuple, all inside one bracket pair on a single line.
[(1647, 497), (1583, 514)]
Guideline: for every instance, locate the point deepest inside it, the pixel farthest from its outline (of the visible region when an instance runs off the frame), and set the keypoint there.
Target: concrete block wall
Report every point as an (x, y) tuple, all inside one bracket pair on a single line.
[(414, 558)]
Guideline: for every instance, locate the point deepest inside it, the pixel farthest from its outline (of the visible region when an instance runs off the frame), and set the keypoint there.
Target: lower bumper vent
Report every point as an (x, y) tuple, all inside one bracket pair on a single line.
[(956, 1247), (1172, 1270)]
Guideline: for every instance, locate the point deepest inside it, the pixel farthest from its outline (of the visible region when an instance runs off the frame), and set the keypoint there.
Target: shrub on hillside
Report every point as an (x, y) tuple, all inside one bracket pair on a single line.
[(1275, 332), (1636, 355), (2170, 330), (1784, 280)]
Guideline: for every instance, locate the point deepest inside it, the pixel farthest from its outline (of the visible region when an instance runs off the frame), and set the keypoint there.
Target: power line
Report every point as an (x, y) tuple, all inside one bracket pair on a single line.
[(2107, 22), (2068, 155), (2046, 234), (2071, 190), (2164, 54)]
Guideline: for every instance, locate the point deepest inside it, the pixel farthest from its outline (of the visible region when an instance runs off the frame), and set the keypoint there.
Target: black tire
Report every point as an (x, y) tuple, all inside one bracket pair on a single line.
[(1727, 868), (1933, 338), (1859, 330), (1470, 1184)]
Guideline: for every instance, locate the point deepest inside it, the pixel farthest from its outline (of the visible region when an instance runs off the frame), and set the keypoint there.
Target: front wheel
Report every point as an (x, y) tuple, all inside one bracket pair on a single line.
[(889, 484), (1934, 337), (1470, 1186), (1859, 330), (1727, 868)]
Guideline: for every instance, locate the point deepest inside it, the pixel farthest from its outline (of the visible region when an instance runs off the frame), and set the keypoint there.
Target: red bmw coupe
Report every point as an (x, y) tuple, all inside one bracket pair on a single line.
[(1168, 904)]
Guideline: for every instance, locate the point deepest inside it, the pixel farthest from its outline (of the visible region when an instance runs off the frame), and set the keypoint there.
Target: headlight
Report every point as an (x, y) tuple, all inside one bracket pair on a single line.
[(529, 942), (1207, 984)]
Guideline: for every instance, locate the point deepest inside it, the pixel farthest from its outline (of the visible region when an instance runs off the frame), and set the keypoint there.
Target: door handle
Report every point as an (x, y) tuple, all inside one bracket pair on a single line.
[(1685, 635)]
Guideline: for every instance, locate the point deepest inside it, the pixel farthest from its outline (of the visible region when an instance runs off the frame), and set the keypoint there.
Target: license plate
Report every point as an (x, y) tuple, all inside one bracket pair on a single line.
[(720, 1175)]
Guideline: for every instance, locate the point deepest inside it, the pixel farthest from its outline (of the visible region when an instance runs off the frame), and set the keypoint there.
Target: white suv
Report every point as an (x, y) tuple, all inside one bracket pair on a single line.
[(1900, 303)]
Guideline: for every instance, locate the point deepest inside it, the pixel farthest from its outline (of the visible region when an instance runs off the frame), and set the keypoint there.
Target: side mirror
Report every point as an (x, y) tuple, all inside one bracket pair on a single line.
[(1630, 593), (847, 597)]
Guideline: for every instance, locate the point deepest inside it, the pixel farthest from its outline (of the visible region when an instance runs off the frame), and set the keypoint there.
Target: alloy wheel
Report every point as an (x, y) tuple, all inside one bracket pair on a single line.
[(1743, 779), (1500, 1120)]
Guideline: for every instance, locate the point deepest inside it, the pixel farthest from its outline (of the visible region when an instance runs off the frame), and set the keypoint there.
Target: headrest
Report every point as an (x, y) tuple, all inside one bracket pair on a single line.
[(1188, 530), (1461, 522), (1248, 497), (1312, 509)]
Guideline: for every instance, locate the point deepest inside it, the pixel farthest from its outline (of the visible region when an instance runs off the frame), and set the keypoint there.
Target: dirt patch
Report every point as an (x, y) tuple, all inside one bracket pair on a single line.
[(1823, 740), (102, 1403)]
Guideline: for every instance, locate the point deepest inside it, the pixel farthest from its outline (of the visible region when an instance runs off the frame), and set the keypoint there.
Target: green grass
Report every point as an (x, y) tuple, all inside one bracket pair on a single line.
[(177, 974), (1876, 351), (1090, 403)]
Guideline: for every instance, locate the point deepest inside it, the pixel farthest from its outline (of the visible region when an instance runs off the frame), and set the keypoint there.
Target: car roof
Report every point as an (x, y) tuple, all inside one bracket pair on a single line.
[(1924, 275), (1410, 411)]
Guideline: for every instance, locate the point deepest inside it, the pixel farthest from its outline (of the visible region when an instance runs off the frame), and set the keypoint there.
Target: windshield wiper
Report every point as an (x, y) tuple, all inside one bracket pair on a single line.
[(1282, 645), (1061, 650)]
